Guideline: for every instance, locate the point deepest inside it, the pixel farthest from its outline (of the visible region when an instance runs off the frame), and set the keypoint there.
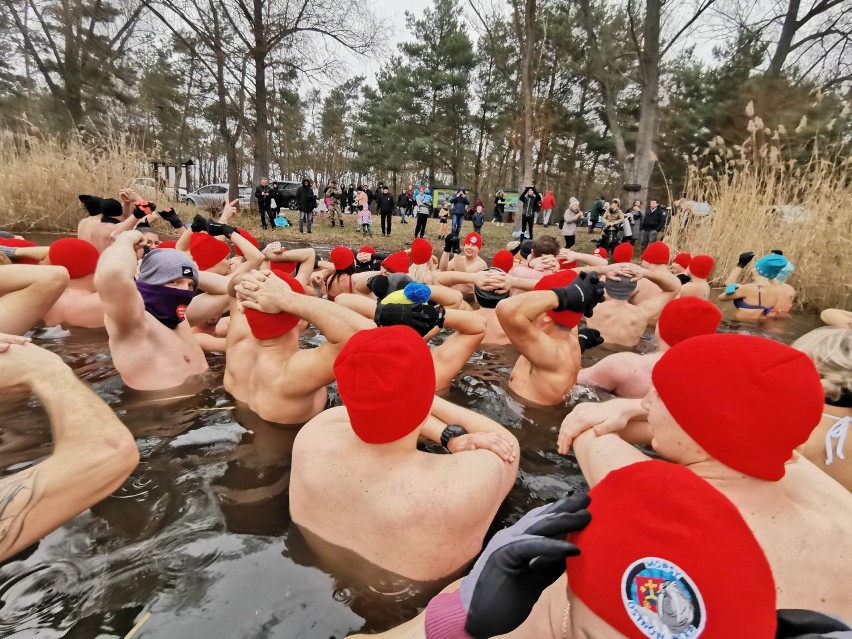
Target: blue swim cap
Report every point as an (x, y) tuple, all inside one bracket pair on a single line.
[(770, 265), (785, 272)]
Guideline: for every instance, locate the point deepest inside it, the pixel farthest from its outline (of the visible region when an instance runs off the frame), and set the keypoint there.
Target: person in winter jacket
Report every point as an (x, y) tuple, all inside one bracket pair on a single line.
[(548, 203), (306, 201), (423, 209), (263, 194), (386, 205), (530, 203), (653, 223), (332, 192), (460, 204)]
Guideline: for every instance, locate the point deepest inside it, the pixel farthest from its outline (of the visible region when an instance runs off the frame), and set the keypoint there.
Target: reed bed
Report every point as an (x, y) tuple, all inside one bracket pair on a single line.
[(765, 195)]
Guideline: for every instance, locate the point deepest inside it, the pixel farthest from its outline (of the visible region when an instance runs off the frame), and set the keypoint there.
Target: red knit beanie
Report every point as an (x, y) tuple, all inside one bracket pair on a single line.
[(16, 243), (682, 260), (251, 238), (569, 319), (79, 257), (168, 244), (386, 379), (687, 317), (656, 253), (396, 262), (421, 251), (342, 258), (504, 260), (473, 238), (367, 249), (600, 252), (622, 253), (664, 554), (748, 401), (701, 266), (207, 251), (272, 325)]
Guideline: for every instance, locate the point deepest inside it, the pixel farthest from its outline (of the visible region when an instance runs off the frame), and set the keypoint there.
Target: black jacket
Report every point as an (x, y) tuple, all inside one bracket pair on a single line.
[(402, 200), (370, 196), (347, 197), (306, 201), (386, 202), (654, 219), (264, 195), (531, 203)]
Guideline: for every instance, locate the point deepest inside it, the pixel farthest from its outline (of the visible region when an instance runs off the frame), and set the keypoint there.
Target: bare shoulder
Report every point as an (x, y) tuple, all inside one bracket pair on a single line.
[(332, 421), (805, 483)]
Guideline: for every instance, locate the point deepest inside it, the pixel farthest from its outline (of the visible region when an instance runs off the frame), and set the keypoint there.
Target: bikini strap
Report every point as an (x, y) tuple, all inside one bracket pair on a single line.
[(837, 432)]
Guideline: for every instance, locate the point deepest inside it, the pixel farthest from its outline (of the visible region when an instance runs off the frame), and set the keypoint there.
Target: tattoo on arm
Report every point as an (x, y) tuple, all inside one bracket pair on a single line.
[(19, 494)]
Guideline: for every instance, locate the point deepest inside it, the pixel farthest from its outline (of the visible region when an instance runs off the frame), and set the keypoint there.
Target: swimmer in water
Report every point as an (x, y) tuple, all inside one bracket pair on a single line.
[(831, 350), (467, 260), (541, 326), (700, 267), (99, 210), (580, 570), (265, 366), (765, 297), (620, 321), (27, 292), (733, 409), (152, 345), (837, 317), (357, 473), (79, 305), (655, 259), (93, 452), (629, 374)]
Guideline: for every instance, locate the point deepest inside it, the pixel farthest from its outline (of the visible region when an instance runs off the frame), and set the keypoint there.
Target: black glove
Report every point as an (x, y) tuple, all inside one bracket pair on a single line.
[(143, 208), (448, 243), (581, 295), (171, 217), (589, 338), (777, 251), (199, 224), (745, 258), (518, 564), (421, 317), (214, 228)]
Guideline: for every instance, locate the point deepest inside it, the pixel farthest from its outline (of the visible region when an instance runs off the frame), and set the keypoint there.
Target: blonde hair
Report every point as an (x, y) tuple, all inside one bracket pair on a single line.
[(421, 272), (831, 350)]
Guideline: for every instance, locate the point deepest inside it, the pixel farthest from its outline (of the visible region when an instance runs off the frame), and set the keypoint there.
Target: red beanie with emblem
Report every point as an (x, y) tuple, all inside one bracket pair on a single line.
[(14, 242), (682, 260), (600, 252), (79, 257), (701, 266), (207, 251), (656, 253), (386, 379), (569, 319), (622, 253), (473, 238), (687, 317), (342, 258), (748, 401), (504, 260), (421, 251), (272, 325), (251, 238), (396, 262), (668, 555)]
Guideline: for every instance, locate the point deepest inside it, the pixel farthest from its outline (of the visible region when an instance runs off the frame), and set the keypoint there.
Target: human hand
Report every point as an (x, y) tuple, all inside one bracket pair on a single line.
[(633, 271), (603, 418), (568, 255), (500, 445), (745, 258), (518, 564), (229, 209), (581, 295), (170, 216), (128, 196), (363, 257), (614, 272), (199, 224), (7, 340), (545, 263), (589, 338), (215, 228), (731, 288), (143, 208), (263, 291), (421, 317), (134, 238), (491, 281)]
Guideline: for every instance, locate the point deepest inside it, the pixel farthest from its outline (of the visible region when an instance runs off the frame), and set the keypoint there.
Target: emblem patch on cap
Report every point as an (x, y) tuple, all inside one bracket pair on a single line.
[(186, 271), (662, 600)]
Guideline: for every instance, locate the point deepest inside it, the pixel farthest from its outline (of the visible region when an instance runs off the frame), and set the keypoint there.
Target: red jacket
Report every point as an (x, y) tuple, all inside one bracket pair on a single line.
[(548, 202)]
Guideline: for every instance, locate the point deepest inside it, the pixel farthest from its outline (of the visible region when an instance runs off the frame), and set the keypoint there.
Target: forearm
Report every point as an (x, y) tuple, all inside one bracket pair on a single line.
[(465, 322), (837, 317), (335, 321), (447, 297), (666, 281), (205, 307), (250, 252), (598, 456), (734, 276), (451, 278), (32, 252), (117, 264), (448, 413), (521, 311)]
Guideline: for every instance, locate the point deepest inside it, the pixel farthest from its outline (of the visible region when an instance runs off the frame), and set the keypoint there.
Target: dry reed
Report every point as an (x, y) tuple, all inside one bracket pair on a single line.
[(764, 198)]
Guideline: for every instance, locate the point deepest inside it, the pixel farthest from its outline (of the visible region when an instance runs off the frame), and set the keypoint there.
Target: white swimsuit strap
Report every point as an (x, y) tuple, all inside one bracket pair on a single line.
[(837, 432)]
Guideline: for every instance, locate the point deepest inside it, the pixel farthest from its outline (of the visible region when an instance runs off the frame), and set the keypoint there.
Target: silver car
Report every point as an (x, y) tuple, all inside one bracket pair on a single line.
[(214, 195), (155, 191)]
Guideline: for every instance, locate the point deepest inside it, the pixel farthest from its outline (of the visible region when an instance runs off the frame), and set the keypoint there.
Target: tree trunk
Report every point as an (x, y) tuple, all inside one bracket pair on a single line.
[(261, 125), (785, 41), (525, 31)]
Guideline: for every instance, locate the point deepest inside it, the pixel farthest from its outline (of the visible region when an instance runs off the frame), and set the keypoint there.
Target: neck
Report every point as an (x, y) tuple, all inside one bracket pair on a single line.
[(285, 344), (721, 476), (837, 411), (402, 447)]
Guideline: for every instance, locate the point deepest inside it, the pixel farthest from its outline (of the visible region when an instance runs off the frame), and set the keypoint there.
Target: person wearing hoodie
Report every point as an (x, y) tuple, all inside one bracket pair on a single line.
[(548, 203), (530, 203), (423, 208), (306, 200), (460, 204)]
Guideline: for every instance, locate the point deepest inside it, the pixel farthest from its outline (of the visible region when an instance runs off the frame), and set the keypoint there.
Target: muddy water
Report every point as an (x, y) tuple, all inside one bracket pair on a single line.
[(200, 533)]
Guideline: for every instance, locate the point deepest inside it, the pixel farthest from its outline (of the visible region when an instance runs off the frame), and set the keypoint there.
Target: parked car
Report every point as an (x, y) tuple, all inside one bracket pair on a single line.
[(288, 194), (214, 196), (149, 189)]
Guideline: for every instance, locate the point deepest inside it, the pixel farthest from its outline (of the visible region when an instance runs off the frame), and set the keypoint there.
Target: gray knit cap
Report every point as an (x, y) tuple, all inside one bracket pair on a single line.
[(620, 290), (162, 266)]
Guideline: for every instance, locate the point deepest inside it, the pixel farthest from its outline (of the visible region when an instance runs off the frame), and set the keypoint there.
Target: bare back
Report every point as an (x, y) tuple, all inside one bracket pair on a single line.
[(619, 322), (76, 307), (101, 235), (645, 290), (804, 525), (494, 333), (624, 374), (407, 511), (696, 288), (548, 385)]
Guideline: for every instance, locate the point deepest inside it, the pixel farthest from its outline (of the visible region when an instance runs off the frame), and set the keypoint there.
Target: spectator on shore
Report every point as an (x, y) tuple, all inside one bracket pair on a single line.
[(653, 223), (306, 201), (634, 217), (570, 218), (598, 209), (530, 203), (548, 203), (499, 208), (460, 204), (264, 193)]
